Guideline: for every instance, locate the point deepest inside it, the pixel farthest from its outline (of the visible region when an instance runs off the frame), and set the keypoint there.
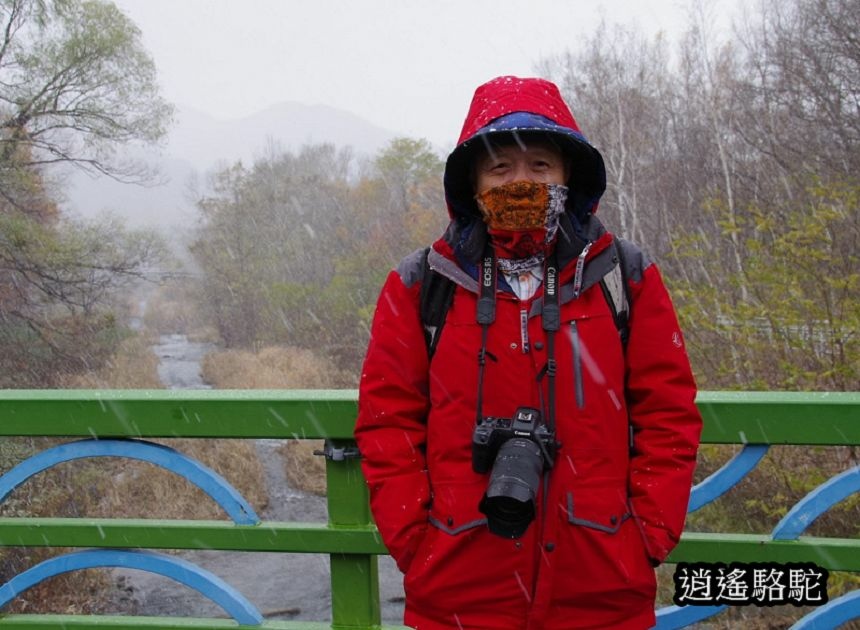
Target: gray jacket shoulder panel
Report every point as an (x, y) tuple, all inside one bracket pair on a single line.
[(636, 261), (411, 268), (451, 270)]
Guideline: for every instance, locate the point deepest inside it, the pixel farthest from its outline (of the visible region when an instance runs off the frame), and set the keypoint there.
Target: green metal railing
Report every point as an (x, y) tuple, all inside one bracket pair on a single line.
[(750, 418), (349, 537)]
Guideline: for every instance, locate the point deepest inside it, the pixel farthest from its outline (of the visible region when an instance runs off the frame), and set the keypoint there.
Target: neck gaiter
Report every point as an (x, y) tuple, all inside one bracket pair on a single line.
[(522, 221)]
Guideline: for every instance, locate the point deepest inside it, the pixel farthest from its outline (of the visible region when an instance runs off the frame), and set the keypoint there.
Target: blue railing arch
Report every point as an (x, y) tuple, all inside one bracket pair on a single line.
[(833, 614), (816, 503), (213, 484), (182, 571), (790, 527), (727, 477)]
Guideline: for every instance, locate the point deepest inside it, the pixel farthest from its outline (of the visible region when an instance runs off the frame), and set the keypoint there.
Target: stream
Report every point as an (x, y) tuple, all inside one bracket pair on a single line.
[(281, 586)]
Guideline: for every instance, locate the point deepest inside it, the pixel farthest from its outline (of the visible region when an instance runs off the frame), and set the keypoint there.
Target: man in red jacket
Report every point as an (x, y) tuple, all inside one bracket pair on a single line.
[(532, 468)]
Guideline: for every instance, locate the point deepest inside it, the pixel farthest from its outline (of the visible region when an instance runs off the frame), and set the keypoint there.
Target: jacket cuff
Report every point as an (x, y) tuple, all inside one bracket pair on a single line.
[(658, 542)]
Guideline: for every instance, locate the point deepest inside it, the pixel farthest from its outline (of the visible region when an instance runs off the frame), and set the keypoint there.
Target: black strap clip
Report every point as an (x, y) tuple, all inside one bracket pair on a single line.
[(338, 453), (484, 354), (549, 368)]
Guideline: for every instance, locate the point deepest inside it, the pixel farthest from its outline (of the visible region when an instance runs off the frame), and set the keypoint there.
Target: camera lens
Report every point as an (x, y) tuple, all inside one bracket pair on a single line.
[(509, 502)]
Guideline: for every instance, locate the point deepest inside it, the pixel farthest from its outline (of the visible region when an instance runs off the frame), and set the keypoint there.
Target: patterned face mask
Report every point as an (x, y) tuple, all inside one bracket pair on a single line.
[(522, 221)]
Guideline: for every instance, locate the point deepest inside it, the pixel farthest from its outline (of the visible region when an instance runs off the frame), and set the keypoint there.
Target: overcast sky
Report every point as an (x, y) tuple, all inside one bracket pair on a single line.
[(408, 65)]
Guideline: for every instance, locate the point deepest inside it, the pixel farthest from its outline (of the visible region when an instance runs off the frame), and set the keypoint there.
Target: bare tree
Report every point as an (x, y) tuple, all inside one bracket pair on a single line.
[(618, 89), (75, 86), (75, 83), (802, 87), (749, 167)]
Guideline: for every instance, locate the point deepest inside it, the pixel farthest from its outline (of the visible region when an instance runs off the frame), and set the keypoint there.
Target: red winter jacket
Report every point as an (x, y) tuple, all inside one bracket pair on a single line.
[(612, 510)]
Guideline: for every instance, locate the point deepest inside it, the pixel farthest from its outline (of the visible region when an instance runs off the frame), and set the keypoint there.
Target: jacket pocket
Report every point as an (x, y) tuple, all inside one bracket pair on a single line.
[(602, 511), (451, 567), (455, 508), (604, 554)]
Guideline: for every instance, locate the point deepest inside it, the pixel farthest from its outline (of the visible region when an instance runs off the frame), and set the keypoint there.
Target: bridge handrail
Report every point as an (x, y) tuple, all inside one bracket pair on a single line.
[(350, 538)]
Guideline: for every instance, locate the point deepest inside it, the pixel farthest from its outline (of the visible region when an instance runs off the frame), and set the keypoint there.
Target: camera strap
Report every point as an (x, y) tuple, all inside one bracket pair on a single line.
[(485, 315), (551, 321)]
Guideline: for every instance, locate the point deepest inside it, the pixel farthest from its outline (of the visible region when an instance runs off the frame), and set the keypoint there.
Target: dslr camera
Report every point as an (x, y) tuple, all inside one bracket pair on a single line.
[(517, 450)]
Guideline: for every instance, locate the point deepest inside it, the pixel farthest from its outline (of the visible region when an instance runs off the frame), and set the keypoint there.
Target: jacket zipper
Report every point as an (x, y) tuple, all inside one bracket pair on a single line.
[(580, 268), (577, 365)]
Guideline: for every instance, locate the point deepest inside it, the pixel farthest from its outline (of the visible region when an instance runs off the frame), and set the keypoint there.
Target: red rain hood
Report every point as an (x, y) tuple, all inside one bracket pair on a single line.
[(526, 106), (505, 95)]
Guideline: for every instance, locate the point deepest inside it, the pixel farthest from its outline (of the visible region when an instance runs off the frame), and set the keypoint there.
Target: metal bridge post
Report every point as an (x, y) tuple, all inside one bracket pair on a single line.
[(354, 577)]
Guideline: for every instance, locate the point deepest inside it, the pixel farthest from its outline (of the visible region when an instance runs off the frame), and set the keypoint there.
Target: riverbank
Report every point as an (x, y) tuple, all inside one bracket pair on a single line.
[(281, 586)]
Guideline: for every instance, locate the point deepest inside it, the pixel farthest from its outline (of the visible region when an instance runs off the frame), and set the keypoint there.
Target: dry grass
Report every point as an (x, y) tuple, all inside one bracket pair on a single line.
[(783, 477), (141, 490), (133, 366), (128, 489), (304, 470), (281, 368), (275, 367)]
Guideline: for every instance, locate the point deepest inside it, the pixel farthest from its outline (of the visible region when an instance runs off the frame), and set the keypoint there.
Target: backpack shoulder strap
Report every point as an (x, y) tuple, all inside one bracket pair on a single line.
[(437, 293), (616, 290)]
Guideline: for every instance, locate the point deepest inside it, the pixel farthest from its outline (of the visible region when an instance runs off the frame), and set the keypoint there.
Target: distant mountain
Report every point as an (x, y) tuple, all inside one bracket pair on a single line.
[(203, 140), (198, 143)]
